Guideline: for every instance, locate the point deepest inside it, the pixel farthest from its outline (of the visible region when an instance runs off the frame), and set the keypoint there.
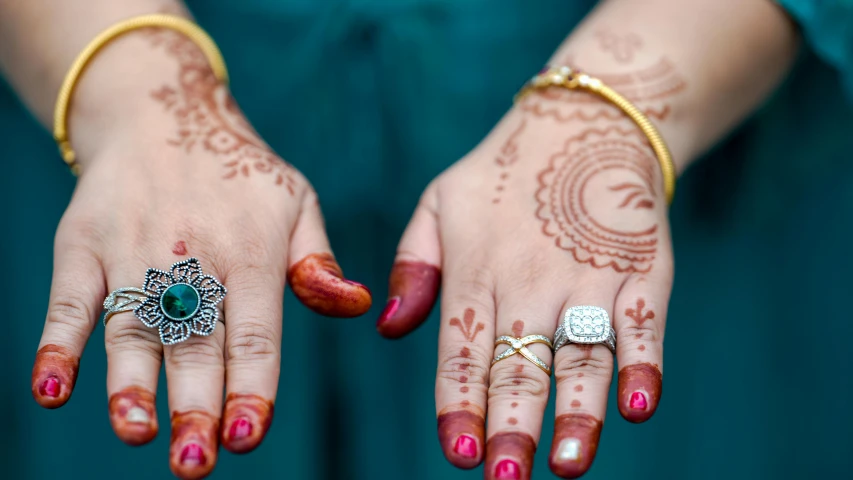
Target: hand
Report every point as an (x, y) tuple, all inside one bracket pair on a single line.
[(549, 212), (195, 182)]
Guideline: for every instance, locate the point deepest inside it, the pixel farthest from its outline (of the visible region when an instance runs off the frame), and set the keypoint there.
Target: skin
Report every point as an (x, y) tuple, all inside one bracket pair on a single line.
[(204, 185), (412, 290), (133, 415), (54, 374), (562, 205)]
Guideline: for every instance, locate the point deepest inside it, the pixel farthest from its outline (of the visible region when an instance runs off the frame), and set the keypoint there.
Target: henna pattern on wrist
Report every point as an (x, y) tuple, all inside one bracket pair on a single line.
[(209, 118), (621, 46), (583, 189)]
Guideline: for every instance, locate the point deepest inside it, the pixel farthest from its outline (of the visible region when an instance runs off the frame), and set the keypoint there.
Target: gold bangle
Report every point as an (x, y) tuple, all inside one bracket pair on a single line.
[(178, 24), (565, 77)]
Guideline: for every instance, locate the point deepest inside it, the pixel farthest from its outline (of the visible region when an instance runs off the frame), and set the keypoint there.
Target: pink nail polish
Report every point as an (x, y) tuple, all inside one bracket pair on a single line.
[(507, 470), (50, 387), (240, 428), (192, 454), (638, 401), (466, 446), (389, 311)]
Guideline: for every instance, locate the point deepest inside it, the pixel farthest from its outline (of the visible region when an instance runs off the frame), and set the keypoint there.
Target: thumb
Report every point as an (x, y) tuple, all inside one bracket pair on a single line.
[(314, 275), (415, 276)]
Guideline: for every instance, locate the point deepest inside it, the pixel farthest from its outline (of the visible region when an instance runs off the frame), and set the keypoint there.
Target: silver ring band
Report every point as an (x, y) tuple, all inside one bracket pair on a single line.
[(586, 325), (180, 303)]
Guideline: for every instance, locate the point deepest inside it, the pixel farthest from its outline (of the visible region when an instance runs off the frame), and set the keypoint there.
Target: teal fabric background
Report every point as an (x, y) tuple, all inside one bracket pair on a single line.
[(372, 99)]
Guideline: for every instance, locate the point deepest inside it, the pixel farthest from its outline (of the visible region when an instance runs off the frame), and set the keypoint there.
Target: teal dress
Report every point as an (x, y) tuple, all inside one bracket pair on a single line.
[(371, 100)]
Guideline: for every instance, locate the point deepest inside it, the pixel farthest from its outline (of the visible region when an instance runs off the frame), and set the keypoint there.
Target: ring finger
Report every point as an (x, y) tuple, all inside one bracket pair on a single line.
[(583, 374)]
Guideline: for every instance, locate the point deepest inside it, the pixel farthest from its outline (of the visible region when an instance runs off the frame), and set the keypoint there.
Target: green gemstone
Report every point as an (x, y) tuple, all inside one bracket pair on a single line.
[(180, 301)]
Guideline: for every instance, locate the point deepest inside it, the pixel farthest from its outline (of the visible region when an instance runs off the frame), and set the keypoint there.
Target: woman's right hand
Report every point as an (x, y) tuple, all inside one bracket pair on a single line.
[(187, 178)]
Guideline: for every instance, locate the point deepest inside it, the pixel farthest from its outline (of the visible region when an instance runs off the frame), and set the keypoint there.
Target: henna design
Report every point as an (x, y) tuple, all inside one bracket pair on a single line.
[(576, 403), (209, 117), (591, 163), (639, 391), (247, 419), (318, 282), (461, 436), (507, 156), (180, 248), (133, 415), (575, 442), (637, 315), (466, 326), (518, 329), (622, 46), (192, 453), (648, 88), (512, 421), (54, 374), (510, 454)]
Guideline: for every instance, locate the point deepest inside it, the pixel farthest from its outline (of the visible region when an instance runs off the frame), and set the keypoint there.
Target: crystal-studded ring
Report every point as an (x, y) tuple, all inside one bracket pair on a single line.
[(587, 325), (180, 302), (519, 345)]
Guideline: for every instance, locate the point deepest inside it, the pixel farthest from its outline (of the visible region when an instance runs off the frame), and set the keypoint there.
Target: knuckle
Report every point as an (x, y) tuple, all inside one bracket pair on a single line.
[(252, 341), (196, 351), (508, 379), (469, 361), (70, 311), (596, 365), (648, 332), (126, 333)]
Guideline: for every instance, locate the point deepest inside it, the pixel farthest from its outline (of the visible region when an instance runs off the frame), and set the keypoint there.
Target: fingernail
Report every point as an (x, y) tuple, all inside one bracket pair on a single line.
[(50, 387), (240, 428), (389, 311), (507, 469), (570, 450), (137, 415), (192, 455), (466, 446), (638, 401)]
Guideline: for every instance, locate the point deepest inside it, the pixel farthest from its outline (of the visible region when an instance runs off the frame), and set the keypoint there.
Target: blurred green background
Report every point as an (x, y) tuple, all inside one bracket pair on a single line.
[(371, 100)]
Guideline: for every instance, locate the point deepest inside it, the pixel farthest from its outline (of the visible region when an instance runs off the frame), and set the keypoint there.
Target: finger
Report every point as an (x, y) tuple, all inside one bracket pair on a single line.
[(76, 293), (518, 388), (253, 357), (583, 374), (464, 352), (639, 322), (415, 276), (195, 370), (134, 355), (314, 275)]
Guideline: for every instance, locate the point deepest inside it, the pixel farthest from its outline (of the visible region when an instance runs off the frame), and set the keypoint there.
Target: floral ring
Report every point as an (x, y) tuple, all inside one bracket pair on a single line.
[(180, 302)]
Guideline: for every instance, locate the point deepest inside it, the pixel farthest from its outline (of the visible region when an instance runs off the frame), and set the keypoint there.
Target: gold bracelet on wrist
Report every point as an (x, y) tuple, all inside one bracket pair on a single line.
[(565, 77), (63, 100)]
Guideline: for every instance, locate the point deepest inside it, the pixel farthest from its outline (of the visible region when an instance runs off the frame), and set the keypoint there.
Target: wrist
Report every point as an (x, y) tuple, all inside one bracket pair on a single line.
[(119, 96)]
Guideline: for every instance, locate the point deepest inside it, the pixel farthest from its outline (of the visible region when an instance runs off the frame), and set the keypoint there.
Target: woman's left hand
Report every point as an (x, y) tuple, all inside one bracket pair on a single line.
[(543, 216)]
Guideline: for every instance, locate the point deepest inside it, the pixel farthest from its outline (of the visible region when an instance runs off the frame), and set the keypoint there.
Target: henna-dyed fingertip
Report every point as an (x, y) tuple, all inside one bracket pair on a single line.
[(575, 443), (133, 415), (317, 281), (639, 391), (53, 377), (413, 289), (460, 434), (246, 421)]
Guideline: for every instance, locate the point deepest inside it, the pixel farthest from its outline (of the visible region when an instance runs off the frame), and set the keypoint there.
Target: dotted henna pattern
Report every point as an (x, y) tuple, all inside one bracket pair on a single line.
[(596, 174)]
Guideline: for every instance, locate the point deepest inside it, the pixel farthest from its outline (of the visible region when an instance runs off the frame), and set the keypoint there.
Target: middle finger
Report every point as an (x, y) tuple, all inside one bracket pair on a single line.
[(518, 391)]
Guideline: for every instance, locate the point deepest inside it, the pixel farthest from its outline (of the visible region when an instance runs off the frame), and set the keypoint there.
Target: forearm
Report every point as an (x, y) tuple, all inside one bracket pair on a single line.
[(696, 67), (39, 40)]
